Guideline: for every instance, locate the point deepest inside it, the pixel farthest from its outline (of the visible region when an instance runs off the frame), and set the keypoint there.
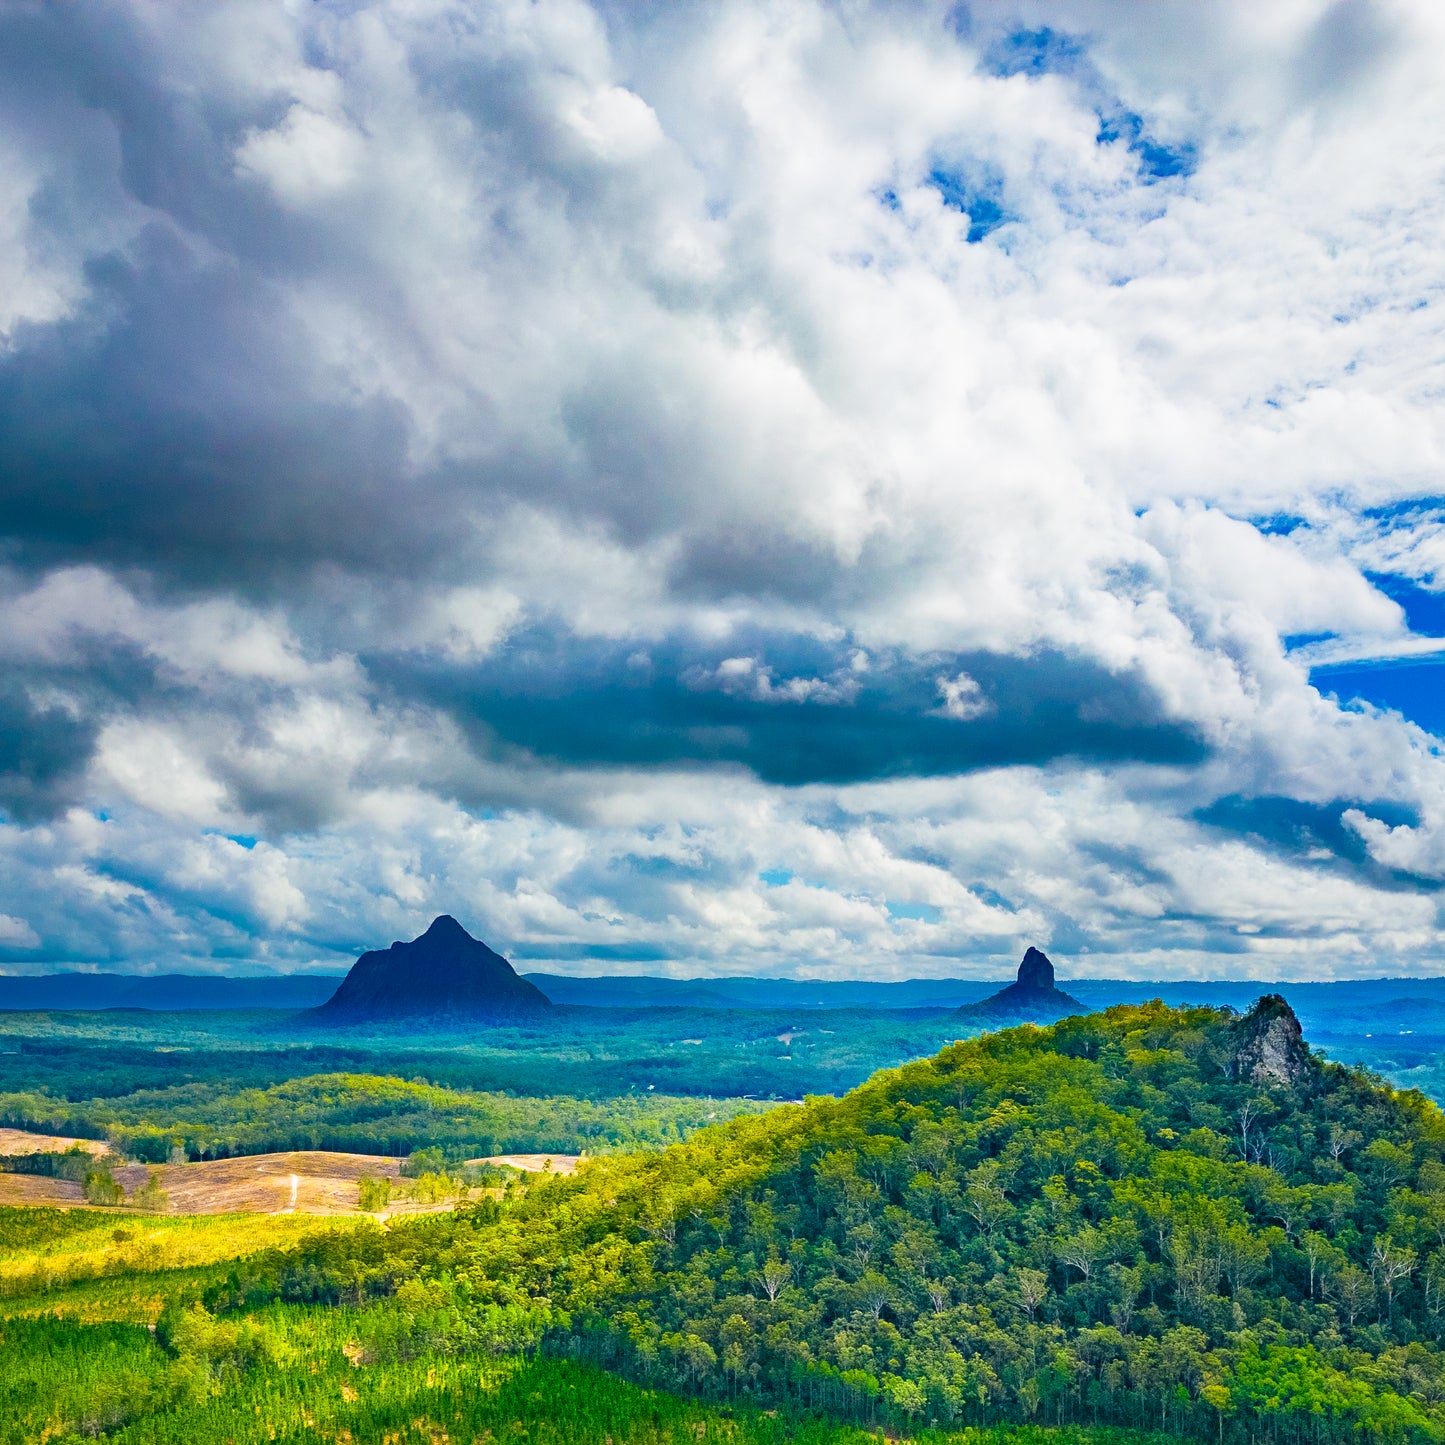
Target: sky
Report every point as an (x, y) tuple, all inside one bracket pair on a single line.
[(831, 490)]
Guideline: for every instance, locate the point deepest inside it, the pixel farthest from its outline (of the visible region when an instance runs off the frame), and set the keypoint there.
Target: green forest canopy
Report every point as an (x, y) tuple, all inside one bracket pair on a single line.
[(367, 1113), (1177, 1219)]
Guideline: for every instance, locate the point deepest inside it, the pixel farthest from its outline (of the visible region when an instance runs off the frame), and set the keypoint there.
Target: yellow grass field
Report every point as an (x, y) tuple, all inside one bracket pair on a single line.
[(150, 1246)]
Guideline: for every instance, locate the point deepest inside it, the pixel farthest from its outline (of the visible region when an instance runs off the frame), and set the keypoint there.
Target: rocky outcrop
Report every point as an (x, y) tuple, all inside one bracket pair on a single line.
[(1031, 998), (444, 974), (1036, 972), (1267, 1046)]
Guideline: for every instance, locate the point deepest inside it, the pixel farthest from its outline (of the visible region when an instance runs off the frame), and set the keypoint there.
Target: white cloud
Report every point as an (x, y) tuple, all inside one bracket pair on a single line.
[(662, 326), (17, 933)]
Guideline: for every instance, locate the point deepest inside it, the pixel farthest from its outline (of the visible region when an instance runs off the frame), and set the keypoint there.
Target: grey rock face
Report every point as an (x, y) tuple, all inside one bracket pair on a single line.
[(1269, 1046), (1036, 971)]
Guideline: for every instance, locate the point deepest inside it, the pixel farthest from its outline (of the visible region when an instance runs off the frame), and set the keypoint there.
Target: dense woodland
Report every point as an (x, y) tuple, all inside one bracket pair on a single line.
[(1107, 1221), (587, 1052), (363, 1113), (1176, 1221)]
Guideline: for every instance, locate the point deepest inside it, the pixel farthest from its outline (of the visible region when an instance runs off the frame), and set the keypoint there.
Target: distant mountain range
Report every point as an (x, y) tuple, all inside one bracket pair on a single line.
[(1384, 1007), (165, 992)]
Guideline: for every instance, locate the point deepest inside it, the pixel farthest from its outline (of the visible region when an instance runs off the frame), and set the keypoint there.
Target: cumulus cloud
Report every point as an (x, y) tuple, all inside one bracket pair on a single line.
[(740, 487)]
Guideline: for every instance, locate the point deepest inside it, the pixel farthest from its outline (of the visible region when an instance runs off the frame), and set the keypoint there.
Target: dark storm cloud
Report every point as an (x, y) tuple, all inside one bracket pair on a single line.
[(794, 711), (51, 717), (1318, 834), (43, 751), (174, 419), (180, 438), (180, 417)]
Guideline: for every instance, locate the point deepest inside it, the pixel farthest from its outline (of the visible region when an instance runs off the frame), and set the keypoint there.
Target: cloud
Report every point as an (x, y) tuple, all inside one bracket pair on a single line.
[(819, 714), (570, 464)]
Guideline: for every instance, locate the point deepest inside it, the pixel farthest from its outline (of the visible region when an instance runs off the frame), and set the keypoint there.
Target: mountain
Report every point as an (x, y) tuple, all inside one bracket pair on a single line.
[(446, 973), (1172, 1220), (1032, 998)]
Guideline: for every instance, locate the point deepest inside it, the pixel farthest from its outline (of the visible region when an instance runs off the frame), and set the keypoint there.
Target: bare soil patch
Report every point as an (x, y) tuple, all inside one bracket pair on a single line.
[(32, 1189), (304, 1182), (534, 1163), (19, 1141)]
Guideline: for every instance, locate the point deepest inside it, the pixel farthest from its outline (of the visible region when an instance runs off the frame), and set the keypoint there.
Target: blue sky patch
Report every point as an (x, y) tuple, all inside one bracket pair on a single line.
[(1424, 610), (921, 912), (1157, 161), (1413, 687), (1035, 52), (982, 205), (1050, 52)]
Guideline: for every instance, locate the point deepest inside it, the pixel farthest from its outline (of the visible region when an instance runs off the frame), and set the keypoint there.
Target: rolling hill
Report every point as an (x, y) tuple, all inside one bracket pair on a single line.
[(1172, 1219)]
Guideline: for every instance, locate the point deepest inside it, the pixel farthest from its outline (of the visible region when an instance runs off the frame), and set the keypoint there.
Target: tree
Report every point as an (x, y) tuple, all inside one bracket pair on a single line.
[(100, 1187), (1354, 1290), (373, 1194), (1318, 1251), (984, 1201), (1031, 1289), (1218, 1398), (775, 1274), (1081, 1251), (150, 1197), (1340, 1140), (1243, 1257), (1389, 1266)]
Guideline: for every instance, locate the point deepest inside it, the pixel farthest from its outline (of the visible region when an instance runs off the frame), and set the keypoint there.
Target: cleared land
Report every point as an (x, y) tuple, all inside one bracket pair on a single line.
[(310, 1182), (303, 1182), (17, 1141), (534, 1163)]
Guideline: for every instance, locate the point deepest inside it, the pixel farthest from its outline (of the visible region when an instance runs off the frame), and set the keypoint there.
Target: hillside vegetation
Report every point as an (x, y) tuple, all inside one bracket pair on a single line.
[(1175, 1219), (365, 1113)]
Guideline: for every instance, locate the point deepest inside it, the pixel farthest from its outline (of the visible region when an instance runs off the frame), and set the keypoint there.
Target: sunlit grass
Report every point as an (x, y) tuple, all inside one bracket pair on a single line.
[(46, 1252)]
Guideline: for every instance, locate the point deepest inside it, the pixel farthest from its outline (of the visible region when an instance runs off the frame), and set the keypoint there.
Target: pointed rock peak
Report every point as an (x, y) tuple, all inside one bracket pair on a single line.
[(446, 971), (445, 926), (1033, 997), (1269, 1044), (1036, 971)]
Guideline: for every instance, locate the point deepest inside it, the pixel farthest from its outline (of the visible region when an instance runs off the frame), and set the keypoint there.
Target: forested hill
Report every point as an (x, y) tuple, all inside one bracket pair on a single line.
[(1175, 1218)]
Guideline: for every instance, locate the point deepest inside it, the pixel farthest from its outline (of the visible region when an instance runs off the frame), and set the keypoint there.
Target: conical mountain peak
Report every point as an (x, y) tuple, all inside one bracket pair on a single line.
[(445, 972), (1033, 998), (445, 926)]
